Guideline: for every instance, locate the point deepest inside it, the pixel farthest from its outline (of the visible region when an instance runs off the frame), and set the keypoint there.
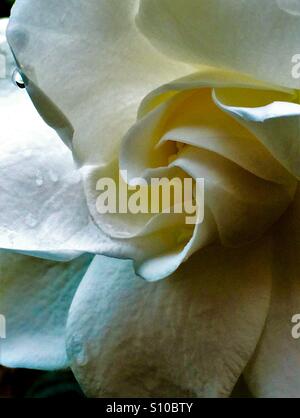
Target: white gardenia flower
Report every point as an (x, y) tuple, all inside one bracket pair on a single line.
[(159, 88)]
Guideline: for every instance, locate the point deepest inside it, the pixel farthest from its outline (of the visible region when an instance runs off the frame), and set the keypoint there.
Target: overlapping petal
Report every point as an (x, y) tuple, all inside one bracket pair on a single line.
[(276, 123), (274, 370), (40, 188), (108, 67), (180, 127), (35, 297), (189, 335), (115, 95), (252, 37), (43, 209), (181, 132), (194, 333)]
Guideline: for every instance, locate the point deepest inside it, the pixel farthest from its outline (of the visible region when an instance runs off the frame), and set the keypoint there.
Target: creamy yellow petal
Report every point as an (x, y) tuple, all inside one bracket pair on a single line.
[(256, 37)]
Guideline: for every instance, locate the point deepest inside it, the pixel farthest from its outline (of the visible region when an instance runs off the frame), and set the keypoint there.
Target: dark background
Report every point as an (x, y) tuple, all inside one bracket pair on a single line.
[(5, 6)]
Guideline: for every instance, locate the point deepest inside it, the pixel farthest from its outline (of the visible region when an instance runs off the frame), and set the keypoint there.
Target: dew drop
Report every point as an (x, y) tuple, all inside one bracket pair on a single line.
[(39, 179), (53, 177), (17, 79), (82, 358), (80, 352)]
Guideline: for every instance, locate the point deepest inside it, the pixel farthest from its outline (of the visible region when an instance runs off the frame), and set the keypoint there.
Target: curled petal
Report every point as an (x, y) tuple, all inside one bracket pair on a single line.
[(276, 123), (182, 133)]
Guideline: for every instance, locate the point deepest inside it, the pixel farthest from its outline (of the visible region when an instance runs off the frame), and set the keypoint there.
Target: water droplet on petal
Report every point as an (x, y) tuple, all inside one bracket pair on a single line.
[(80, 352), (53, 177), (17, 79), (82, 358), (39, 179)]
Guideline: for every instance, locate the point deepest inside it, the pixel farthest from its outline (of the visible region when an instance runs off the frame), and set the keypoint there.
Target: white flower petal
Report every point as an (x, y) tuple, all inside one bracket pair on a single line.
[(87, 68), (246, 36), (43, 209), (246, 189), (108, 68), (274, 370), (194, 119), (243, 205), (35, 296), (190, 335), (7, 62), (275, 123), (42, 202)]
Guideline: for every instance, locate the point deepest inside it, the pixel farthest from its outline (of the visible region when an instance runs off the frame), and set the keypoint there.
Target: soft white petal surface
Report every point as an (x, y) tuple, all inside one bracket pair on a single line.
[(255, 37), (42, 201), (7, 63), (93, 98), (43, 209), (274, 370), (110, 83), (190, 335), (87, 68), (35, 296)]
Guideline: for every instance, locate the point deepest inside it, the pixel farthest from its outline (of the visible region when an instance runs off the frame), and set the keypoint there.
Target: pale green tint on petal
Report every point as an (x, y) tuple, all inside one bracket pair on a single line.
[(190, 335), (35, 296), (274, 370), (255, 37)]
